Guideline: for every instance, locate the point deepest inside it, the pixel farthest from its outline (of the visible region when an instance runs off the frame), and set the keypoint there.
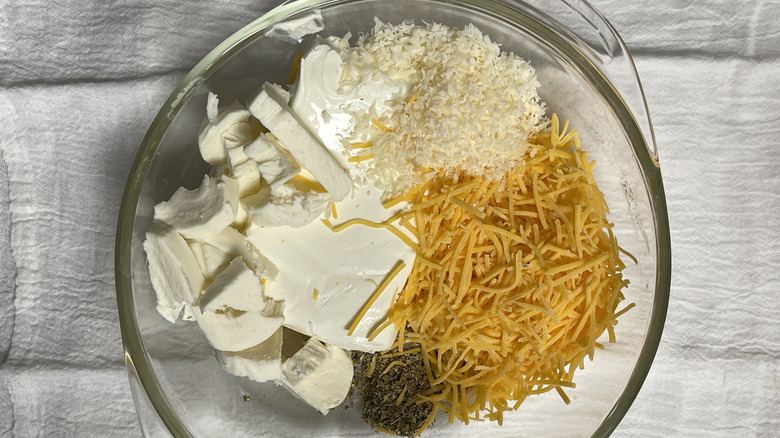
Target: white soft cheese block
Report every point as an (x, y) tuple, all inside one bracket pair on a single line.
[(175, 273), (244, 171), (248, 176), (197, 251), (242, 217), (235, 156), (274, 164), (238, 135), (233, 244), (319, 374), (289, 206), (231, 122), (272, 110), (214, 260), (236, 287), (236, 331), (344, 267), (210, 259), (202, 212), (261, 363)]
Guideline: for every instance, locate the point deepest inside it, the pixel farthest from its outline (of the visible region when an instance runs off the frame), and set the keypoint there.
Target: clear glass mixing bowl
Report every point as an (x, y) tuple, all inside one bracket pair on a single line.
[(587, 76)]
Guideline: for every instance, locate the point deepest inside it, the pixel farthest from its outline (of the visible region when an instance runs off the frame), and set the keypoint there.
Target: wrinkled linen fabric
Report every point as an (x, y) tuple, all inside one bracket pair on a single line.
[(80, 82)]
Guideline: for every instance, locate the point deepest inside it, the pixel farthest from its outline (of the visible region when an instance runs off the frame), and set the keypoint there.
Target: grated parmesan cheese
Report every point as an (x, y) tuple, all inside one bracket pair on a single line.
[(469, 107)]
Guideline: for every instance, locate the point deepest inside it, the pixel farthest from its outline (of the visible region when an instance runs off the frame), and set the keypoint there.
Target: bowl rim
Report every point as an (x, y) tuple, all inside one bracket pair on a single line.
[(137, 362)]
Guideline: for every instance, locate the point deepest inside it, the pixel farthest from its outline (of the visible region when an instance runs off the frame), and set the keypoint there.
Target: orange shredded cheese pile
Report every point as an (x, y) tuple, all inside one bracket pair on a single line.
[(514, 280)]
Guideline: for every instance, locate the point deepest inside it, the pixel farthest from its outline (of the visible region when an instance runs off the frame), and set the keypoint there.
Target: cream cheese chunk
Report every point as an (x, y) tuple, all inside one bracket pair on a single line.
[(261, 363), (288, 206), (235, 287), (274, 163), (270, 107), (173, 270), (236, 330), (202, 212), (319, 374), (231, 123), (345, 268)]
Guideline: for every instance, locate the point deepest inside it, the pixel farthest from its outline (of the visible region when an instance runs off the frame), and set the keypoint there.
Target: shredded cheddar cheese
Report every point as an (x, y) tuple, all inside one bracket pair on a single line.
[(515, 279), (308, 185), (359, 158), (361, 145), (380, 125)]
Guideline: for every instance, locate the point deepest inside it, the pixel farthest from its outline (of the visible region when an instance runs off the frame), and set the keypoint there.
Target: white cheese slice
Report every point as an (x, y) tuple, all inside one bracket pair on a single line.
[(202, 212), (231, 123), (236, 330), (272, 110), (260, 363), (319, 374), (275, 164), (175, 273), (235, 287), (288, 206), (234, 244)]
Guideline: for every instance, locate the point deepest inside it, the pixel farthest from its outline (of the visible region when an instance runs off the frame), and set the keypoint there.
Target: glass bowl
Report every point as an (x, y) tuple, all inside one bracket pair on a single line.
[(587, 76)]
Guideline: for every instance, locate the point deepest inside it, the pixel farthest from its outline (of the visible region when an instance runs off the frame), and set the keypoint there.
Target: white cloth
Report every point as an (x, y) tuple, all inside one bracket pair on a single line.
[(80, 82)]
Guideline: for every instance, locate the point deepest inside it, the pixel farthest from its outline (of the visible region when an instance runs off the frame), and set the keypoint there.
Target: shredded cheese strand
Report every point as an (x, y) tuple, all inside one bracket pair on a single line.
[(382, 286)]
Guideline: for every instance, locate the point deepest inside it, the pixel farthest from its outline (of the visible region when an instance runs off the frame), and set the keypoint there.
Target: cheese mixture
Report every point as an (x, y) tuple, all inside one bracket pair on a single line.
[(406, 190)]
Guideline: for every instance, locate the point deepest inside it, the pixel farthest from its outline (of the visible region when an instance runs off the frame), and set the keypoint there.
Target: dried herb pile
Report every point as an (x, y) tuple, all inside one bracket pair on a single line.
[(388, 383)]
